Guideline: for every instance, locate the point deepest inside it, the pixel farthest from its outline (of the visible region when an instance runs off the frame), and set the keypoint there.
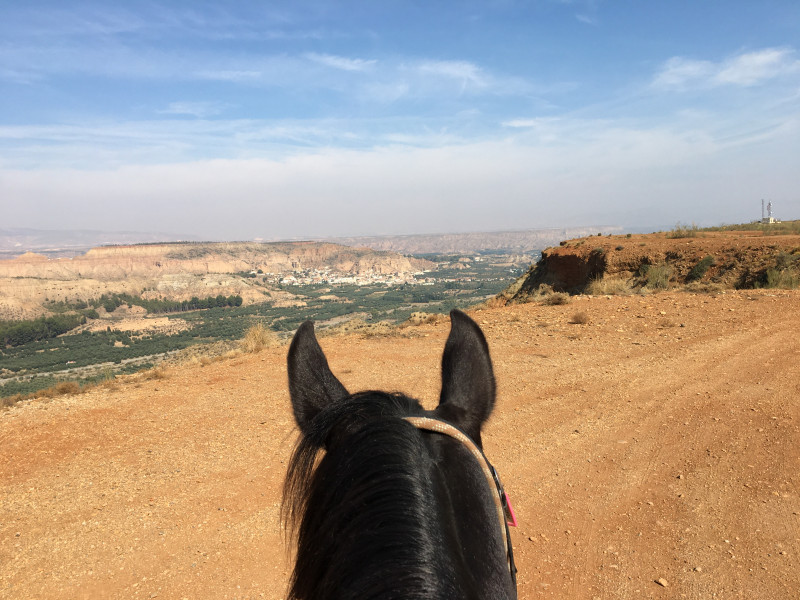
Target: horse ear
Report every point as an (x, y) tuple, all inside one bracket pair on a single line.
[(312, 386), (468, 387)]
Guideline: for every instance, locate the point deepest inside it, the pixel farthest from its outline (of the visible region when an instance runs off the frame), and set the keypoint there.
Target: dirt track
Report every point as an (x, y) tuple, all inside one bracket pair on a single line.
[(661, 440)]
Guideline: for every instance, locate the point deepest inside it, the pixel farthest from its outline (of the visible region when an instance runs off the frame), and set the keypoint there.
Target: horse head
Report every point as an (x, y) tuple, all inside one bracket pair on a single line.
[(402, 503)]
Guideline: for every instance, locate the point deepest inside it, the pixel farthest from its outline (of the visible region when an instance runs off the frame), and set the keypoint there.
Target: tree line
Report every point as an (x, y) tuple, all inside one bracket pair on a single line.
[(113, 301), (17, 333)]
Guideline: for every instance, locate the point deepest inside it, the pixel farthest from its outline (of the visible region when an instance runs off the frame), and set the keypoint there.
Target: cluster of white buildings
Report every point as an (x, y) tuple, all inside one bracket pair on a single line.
[(328, 277)]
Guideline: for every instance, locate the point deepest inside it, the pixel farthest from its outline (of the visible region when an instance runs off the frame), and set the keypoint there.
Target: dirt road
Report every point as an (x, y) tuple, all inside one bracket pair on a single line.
[(660, 441)]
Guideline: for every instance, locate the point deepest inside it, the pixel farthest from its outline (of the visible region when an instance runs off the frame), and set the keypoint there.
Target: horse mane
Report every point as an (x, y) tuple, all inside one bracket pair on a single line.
[(364, 509)]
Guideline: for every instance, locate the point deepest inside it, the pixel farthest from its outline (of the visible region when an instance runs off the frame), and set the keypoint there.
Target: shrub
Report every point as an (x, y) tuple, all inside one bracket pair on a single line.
[(782, 278), (657, 276), (683, 231), (700, 269)]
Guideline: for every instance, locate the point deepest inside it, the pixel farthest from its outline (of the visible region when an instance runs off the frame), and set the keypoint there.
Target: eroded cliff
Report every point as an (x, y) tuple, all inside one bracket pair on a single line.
[(740, 259)]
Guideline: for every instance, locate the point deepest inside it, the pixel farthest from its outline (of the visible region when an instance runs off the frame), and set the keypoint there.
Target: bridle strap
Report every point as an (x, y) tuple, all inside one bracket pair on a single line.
[(489, 472)]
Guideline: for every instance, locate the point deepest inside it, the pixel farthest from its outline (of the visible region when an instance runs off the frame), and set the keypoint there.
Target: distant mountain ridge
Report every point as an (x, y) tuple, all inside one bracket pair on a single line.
[(15, 242), (512, 242), (67, 243)]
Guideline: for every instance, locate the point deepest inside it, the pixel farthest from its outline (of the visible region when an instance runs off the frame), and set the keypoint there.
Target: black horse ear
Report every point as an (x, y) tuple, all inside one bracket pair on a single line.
[(312, 386), (468, 387)]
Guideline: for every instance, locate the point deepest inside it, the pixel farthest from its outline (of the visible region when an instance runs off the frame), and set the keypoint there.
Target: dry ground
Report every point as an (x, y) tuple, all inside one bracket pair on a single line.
[(660, 440)]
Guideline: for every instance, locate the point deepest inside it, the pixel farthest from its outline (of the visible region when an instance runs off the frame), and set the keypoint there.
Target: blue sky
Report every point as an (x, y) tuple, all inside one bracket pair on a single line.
[(270, 120)]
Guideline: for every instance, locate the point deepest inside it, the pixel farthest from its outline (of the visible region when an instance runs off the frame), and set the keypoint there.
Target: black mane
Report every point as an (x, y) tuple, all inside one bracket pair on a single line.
[(366, 506)]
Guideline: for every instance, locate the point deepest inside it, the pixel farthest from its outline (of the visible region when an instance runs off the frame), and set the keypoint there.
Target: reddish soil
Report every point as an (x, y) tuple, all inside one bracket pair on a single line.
[(741, 259), (658, 441)]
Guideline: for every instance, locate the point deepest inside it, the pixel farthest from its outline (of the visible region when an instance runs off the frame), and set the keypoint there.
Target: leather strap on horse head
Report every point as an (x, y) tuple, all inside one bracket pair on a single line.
[(489, 472)]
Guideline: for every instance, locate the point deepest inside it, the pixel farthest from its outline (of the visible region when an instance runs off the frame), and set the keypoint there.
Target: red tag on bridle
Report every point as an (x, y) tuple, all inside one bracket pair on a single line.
[(511, 517)]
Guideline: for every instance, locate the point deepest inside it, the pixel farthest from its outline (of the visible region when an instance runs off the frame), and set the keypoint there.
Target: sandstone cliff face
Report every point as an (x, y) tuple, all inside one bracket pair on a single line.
[(122, 262), (740, 260), (178, 271)]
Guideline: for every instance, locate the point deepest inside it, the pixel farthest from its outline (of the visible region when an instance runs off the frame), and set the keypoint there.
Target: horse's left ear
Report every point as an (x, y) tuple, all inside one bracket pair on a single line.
[(312, 385), (468, 387)]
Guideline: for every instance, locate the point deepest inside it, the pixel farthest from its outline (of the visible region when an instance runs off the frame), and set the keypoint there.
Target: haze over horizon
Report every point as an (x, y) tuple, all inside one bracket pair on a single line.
[(321, 119)]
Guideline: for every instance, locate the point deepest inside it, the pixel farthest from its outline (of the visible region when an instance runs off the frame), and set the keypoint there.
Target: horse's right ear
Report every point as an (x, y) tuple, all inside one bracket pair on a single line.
[(468, 386), (312, 386)]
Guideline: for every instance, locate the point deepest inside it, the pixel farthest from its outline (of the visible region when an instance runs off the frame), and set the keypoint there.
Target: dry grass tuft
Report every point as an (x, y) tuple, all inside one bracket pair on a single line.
[(702, 287), (496, 302), (608, 286), (66, 388), (159, 372), (580, 318), (256, 338), (423, 318), (556, 298), (62, 388)]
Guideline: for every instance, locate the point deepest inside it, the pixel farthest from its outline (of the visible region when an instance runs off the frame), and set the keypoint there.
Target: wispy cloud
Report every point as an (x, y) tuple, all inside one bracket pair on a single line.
[(527, 123), (466, 73), (341, 62), (678, 72), (230, 75), (744, 69), (194, 109), (754, 67)]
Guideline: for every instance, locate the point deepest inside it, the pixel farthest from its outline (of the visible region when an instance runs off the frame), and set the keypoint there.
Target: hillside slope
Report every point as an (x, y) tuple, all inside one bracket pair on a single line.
[(660, 440), (738, 259)]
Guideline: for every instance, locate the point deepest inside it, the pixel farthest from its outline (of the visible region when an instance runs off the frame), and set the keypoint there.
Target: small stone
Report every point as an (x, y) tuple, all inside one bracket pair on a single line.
[(662, 582), (698, 569)]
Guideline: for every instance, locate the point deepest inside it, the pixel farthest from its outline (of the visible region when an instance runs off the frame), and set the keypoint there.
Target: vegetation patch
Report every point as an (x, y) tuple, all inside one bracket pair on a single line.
[(700, 269), (684, 231), (781, 228)]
